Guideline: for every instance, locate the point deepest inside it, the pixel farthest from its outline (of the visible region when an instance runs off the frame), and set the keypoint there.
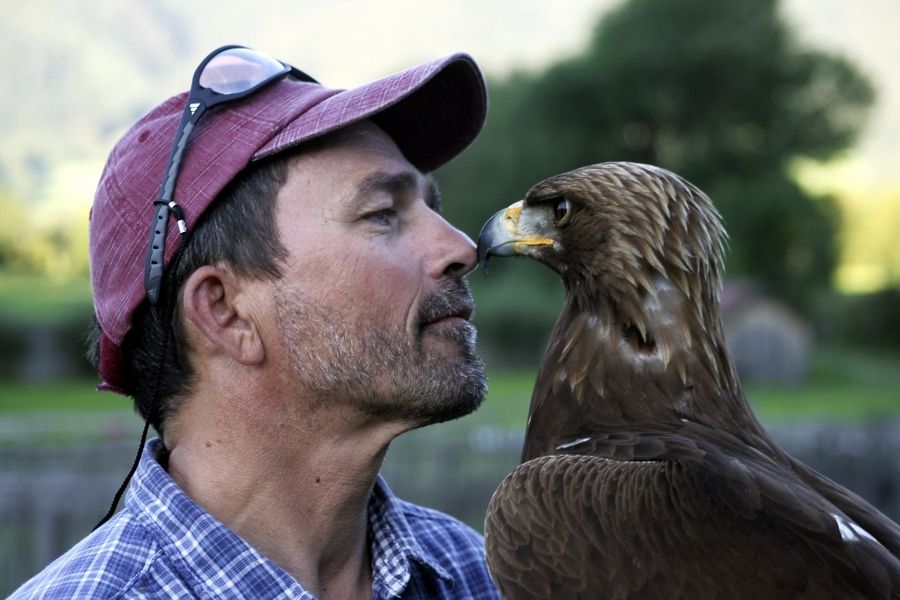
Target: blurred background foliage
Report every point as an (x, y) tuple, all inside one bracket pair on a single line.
[(719, 92), (723, 93)]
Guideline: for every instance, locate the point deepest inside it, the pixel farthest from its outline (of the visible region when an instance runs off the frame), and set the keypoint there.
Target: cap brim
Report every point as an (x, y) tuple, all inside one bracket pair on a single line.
[(432, 112)]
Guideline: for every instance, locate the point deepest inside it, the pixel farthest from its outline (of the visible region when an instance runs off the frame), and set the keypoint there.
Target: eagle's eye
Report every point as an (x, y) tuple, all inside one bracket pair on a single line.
[(562, 211)]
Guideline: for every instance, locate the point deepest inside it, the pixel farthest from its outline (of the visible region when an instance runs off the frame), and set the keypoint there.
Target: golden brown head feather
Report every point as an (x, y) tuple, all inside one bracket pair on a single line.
[(631, 222), (640, 252), (632, 227)]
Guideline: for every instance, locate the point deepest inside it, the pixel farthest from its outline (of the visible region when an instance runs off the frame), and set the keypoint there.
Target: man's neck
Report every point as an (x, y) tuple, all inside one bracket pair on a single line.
[(295, 487)]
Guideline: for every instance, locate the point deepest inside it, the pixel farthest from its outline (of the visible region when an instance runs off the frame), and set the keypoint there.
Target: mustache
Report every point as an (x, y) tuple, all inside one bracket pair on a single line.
[(454, 299)]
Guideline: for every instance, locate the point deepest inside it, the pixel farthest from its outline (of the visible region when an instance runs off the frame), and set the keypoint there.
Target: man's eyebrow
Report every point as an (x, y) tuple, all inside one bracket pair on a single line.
[(398, 182), (432, 194)]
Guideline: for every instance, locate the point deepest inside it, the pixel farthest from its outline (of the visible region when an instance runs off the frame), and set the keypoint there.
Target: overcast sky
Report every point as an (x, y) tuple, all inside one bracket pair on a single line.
[(348, 42)]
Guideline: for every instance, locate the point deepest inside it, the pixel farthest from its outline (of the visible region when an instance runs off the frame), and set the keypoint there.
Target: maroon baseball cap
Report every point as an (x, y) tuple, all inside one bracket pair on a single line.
[(432, 112)]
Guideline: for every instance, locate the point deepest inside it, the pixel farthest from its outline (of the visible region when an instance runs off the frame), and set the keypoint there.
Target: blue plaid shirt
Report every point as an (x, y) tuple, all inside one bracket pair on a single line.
[(163, 545)]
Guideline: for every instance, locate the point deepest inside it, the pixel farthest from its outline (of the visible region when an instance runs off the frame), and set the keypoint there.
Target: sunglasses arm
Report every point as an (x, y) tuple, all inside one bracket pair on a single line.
[(192, 113), (153, 268)]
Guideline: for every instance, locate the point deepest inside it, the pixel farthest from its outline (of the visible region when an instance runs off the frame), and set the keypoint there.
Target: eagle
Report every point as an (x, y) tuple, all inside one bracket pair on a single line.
[(644, 472)]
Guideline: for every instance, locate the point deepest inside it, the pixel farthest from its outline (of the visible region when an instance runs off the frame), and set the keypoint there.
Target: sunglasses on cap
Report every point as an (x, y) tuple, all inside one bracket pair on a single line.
[(229, 73)]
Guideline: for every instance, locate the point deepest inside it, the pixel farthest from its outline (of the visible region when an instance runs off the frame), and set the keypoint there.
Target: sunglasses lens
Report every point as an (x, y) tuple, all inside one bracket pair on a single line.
[(237, 70)]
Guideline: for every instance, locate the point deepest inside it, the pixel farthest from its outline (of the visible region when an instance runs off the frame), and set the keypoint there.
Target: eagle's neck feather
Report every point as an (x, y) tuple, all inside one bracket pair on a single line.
[(648, 360)]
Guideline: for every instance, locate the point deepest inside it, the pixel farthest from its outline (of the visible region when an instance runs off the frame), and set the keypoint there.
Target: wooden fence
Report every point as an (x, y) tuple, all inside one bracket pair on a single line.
[(52, 492)]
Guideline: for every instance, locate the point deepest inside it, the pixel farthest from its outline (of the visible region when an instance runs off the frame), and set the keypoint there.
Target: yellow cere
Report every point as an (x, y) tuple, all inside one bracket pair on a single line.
[(511, 216)]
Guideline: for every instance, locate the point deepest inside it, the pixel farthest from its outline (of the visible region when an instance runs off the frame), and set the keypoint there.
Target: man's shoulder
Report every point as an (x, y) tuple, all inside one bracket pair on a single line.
[(430, 524), (453, 545), (105, 564)]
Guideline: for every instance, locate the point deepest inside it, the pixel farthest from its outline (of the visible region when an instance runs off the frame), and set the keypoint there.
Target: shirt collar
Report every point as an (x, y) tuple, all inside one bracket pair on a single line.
[(394, 543), (208, 554)]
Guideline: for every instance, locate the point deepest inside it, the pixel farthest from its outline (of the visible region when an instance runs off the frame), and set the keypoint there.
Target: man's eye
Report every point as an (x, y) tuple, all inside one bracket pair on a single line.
[(384, 216)]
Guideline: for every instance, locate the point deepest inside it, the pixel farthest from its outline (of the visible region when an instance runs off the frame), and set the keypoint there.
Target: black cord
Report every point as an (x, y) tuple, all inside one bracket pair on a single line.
[(167, 322), (124, 486), (166, 316), (166, 313)]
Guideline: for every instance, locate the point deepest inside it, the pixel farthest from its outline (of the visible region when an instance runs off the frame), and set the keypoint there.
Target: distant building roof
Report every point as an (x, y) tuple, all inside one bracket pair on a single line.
[(767, 340)]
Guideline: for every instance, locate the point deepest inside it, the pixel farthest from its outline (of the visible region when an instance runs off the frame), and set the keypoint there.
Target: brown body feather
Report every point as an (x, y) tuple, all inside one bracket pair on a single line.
[(644, 472)]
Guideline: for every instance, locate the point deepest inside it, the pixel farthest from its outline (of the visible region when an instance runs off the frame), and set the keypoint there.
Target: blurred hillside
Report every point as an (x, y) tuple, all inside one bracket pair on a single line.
[(77, 76)]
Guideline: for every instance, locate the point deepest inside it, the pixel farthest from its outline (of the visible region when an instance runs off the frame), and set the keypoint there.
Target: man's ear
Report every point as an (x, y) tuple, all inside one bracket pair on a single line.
[(219, 309)]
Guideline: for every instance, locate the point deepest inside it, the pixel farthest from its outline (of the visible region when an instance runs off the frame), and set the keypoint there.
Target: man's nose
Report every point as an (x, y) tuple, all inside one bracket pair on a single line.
[(456, 257)]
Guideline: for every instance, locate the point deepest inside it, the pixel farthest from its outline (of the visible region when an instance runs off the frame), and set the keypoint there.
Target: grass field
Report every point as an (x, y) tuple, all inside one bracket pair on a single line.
[(19, 398), (842, 386), (507, 402)]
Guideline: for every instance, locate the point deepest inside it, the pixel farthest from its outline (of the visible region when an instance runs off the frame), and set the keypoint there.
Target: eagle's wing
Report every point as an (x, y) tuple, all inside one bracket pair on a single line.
[(870, 518), (659, 515)]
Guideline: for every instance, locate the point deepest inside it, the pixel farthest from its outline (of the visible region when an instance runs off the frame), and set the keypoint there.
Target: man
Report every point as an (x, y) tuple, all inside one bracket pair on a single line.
[(313, 309)]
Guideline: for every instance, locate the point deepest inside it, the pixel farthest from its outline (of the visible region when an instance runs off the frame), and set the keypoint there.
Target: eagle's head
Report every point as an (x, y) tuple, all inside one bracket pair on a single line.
[(614, 224), (636, 245)]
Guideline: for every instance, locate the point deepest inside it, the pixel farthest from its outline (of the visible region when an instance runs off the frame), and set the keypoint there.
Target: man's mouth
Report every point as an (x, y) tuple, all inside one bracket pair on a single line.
[(449, 310), (456, 314)]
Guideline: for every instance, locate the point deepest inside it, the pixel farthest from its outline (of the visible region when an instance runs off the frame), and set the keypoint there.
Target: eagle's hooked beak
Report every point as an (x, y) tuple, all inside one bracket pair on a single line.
[(502, 236)]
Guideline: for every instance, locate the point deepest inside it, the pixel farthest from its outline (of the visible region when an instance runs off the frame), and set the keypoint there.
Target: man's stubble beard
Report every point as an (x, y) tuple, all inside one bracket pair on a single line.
[(386, 373)]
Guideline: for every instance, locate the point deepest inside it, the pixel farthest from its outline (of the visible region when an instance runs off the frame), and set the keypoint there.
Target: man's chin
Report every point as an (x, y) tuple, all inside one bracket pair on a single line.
[(464, 392), (464, 404), (457, 385)]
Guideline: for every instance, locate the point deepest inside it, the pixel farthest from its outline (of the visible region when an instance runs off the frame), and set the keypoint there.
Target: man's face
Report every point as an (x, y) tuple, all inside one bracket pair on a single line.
[(372, 306)]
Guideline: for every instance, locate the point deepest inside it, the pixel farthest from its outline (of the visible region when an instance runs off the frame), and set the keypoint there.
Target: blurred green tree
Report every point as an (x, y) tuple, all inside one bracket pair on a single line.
[(719, 92), (11, 229)]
